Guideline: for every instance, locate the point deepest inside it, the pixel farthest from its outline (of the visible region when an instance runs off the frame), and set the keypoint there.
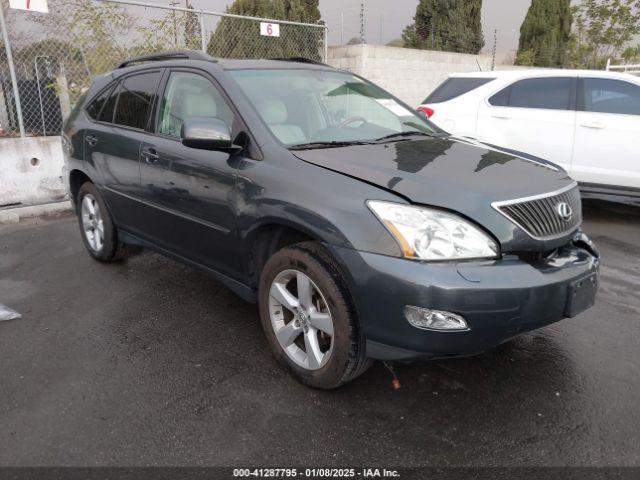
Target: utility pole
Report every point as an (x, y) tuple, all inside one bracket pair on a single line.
[(362, 39), (341, 28)]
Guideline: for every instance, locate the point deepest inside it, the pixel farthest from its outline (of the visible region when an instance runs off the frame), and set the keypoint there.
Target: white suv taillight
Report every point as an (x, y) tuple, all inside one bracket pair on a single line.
[(428, 111)]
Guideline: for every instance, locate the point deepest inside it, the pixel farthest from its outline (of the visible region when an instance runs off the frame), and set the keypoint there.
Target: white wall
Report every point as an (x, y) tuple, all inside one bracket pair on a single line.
[(31, 170), (407, 73)]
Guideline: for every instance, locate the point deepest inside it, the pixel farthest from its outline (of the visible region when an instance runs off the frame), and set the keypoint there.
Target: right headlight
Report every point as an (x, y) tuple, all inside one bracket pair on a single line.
[(430, 234)]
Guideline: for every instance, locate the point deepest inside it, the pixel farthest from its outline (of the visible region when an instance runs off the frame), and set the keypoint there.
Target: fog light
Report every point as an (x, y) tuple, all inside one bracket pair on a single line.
[(428, 319)]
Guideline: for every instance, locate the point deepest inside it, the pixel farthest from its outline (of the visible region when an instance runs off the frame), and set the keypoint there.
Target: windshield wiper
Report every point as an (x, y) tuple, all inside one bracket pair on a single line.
[(402, 135), (333, 144)]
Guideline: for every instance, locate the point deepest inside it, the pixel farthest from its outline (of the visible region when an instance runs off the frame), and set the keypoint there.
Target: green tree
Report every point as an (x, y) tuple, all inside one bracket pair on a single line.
[(447, 25), (602, 29), (240, 38), (545, 34), (631, 54), (192, 39)]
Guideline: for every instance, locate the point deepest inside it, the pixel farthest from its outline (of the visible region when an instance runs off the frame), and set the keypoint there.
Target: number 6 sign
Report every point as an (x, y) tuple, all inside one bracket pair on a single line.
[(269, 29)]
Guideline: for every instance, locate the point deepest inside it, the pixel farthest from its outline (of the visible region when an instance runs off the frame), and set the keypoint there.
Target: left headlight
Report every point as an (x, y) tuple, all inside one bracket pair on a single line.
[(430, 234)]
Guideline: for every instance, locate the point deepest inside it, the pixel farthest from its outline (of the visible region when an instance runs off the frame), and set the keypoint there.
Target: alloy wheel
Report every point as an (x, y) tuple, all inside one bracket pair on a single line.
[(92, 224), (301, 319)]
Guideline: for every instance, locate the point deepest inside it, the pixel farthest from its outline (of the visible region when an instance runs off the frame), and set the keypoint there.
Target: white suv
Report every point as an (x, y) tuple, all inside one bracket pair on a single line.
[(588, 122)]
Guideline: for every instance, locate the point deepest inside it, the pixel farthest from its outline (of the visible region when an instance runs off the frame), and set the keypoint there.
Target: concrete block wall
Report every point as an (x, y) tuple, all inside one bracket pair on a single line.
[(407, 73), (31, 171)]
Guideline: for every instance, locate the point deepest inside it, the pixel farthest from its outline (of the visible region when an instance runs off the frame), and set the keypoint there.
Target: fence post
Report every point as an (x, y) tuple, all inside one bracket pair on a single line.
[(203, 43), (326, 45), (12, 72)]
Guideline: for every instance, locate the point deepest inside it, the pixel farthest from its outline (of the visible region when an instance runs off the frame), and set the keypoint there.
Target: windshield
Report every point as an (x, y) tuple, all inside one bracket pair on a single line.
[(307, 107)]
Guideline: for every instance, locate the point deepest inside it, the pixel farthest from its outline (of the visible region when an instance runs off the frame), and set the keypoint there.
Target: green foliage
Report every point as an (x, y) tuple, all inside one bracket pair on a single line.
[(240, 38), (84, 39), (176, 30), (545, 34), (447, 25), (192, 38), (354, 41), (602, 29), (631, 54), (526, 58)]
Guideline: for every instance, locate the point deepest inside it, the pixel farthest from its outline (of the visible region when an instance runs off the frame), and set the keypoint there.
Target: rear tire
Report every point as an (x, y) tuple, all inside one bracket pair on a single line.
[(98, 231), (296, 323)]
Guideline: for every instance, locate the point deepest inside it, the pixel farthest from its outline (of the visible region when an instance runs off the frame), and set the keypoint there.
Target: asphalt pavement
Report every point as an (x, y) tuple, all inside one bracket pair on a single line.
[(149, 362)]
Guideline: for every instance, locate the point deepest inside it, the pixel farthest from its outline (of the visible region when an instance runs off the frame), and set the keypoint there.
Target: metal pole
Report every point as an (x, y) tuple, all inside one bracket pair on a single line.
[(326, 45), (44, 125), (202, 39), (12, 72), (341, 28)]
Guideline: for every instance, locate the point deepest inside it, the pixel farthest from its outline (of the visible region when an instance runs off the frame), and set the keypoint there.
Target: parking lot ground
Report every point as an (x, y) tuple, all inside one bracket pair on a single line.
[(149, 362)]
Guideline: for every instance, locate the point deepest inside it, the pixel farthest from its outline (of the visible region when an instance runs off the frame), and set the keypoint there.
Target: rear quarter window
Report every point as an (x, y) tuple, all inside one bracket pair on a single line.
[(454, 87), (95, 106)]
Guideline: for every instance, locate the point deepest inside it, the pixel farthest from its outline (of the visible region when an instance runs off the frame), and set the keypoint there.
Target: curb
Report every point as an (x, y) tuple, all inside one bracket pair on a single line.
[(14, 215)]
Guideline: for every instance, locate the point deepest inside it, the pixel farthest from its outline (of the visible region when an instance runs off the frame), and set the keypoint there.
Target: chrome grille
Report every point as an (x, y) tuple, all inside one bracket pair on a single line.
[(539, 216)]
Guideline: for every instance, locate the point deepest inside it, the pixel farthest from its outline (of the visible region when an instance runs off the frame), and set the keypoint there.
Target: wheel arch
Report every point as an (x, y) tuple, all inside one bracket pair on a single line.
[(76, 179), (269, 237)]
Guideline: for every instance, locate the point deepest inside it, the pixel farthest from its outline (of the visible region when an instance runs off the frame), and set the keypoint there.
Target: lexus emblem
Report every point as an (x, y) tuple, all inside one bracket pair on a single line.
[(564, 211)]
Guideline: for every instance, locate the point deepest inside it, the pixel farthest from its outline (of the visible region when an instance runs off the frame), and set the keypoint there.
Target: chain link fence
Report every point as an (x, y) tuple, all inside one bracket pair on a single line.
[(56, 55)]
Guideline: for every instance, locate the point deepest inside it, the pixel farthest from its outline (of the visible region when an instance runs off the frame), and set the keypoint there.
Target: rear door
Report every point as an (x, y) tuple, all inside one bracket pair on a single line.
[(535, 116), (190, 193), (113, 144), (608, 132)]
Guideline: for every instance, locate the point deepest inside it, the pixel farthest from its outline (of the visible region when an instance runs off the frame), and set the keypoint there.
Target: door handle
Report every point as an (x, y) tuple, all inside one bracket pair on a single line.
[(501, 116), (150, 155), (92, 140), (596, 125)]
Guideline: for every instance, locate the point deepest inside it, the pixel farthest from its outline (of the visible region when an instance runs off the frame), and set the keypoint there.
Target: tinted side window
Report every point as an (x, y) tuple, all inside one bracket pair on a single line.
[(550, 93), (134, 101), (94, 108), (609, 96), (190, 95), (553, 93), (106, 115), (454, 87)]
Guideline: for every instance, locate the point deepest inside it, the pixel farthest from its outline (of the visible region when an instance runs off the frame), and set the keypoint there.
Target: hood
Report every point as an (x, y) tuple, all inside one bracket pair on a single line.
[(453, 174)]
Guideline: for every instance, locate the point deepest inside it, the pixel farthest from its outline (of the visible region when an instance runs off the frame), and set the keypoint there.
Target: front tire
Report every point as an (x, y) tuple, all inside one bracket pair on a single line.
[(98, 231), (309, 317)]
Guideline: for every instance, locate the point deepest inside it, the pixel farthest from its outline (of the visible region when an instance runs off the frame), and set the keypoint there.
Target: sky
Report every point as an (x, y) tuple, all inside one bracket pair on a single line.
[(385, 19)]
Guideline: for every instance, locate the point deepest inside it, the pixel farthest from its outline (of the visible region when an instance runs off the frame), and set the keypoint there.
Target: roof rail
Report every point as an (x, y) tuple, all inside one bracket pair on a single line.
[(157, 57), (300, 60)]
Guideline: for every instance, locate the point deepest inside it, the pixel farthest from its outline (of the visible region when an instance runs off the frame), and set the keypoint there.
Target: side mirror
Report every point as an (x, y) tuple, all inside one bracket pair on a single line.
[(207, 133)]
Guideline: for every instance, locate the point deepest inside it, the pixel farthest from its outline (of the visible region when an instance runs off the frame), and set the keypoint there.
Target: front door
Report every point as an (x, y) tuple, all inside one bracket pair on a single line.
[(190, 193), (607, 151)]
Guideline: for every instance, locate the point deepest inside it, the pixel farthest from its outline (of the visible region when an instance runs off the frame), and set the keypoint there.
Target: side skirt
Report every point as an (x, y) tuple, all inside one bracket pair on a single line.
[(243, 291)]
